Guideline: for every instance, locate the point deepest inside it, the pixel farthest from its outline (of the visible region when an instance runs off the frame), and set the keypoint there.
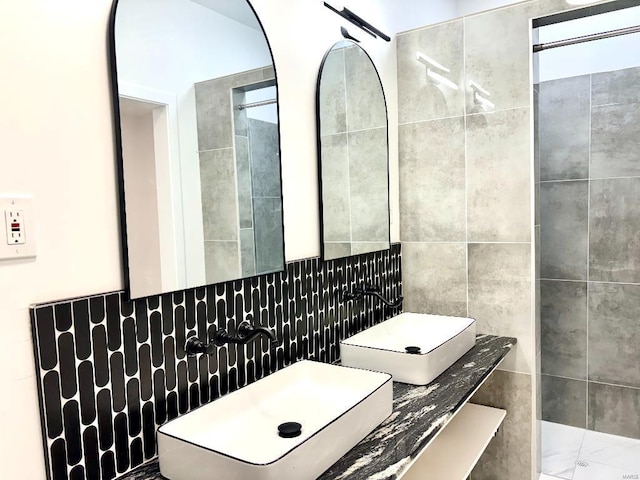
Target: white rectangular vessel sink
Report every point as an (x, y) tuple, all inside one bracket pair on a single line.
[(237, 437), (415, 348)]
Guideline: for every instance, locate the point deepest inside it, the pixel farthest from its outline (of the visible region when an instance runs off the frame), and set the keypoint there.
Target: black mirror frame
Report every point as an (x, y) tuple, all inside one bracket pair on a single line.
[(117, 135), (319, 149)]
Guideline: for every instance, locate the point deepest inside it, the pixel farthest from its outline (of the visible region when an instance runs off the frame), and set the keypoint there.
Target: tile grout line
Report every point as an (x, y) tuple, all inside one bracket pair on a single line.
[(590, 381), (588, 251), (568, 180), (346, 121), (605, 282), (436, 119), (466, 166)]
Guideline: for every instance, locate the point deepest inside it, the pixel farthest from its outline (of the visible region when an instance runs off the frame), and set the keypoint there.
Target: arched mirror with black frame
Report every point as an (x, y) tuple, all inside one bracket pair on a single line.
[(353, 150), (197, 135)]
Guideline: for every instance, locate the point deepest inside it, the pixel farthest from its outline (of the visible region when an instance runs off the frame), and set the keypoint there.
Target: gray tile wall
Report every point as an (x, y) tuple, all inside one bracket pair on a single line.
[(353, 125), (465, 203), (590, 251), (266, 196), (226, 176)]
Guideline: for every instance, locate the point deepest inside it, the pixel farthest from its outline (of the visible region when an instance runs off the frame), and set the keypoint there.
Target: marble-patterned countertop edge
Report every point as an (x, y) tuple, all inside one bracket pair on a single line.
[(419, 413)]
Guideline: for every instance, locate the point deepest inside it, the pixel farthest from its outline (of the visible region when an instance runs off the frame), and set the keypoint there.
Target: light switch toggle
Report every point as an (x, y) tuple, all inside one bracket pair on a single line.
[(15, 226)]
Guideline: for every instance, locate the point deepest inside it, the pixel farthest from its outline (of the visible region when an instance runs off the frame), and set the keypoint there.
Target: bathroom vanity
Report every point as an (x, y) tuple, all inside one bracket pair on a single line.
[(433, 432)]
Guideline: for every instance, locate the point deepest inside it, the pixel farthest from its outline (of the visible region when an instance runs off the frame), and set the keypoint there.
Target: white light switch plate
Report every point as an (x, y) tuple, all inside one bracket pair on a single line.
[(19, 237)]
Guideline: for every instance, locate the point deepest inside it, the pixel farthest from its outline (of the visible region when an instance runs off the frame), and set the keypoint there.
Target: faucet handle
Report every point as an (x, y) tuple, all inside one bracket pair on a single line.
[(195, 346), (245, 327)]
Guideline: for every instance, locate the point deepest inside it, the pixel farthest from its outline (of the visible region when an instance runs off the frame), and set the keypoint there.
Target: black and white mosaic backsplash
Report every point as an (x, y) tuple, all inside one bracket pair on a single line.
[(111, 370)]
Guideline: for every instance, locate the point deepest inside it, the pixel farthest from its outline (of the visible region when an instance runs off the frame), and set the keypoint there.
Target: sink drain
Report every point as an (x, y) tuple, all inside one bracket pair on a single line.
[(289, 429), (413, 350)]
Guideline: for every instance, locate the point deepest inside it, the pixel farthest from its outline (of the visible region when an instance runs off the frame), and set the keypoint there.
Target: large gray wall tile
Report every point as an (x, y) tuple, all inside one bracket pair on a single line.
[(219, 196), (496, 53), (336, 210), (243, 166), (500, 295), (614, 410), (264, 150), (358, 248), (247, 252), (419, 98), (434, 278), (369, 185), (536, 154), (333, 105), (620, 86), (564, 400), (268, 232), (432, 181), (564, 229), (615, 130), (564, 328), (508, 455), (336, 250), (213, 115), (614, 230), (614, 334), (366, 106), (222, 261), (240, 125), (499, 177), (564, 128), (538, 295)]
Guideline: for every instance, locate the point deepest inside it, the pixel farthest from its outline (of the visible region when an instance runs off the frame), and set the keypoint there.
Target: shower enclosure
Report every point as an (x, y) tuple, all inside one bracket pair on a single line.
[(587, 151)]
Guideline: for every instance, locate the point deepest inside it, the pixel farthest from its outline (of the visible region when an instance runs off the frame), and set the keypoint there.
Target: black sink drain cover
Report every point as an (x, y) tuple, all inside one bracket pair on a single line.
[(412, 350), (289, 429)]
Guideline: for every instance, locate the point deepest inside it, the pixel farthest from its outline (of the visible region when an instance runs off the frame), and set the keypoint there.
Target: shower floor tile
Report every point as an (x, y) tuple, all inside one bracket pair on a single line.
[(611, 450), (597, 471), (570, 453), (560, 449)]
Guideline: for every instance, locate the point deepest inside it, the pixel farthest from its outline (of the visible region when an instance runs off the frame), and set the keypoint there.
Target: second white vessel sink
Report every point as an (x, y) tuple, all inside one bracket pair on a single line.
[(415, 348), (237, 437)]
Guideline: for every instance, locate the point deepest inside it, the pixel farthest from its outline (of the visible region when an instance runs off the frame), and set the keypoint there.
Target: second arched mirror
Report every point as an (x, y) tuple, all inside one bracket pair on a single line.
[(353, 154)]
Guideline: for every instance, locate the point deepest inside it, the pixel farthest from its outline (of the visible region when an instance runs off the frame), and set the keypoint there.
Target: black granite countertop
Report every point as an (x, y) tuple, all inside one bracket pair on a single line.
[(419, 413)]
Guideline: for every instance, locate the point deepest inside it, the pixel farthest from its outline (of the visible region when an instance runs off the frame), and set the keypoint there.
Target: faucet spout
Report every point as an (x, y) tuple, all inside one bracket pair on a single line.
[(370, 290), (393, 304), (248, 331)]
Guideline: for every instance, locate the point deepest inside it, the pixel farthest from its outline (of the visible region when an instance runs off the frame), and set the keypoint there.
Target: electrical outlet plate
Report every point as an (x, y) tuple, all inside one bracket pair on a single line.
[(19, 238)]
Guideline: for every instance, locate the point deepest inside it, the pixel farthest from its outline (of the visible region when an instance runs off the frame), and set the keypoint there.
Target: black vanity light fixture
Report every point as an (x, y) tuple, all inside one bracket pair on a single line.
[(358, 21)]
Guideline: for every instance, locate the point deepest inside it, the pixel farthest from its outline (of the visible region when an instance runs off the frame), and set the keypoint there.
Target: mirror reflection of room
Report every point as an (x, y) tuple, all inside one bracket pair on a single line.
[(352, 122), (200, 144)]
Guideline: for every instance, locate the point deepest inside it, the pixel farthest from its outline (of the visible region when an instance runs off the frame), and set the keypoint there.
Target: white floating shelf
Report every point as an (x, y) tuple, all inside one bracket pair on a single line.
[(456, 450)]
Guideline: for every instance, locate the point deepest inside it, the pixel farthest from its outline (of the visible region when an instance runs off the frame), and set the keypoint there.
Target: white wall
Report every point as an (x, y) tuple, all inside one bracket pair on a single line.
[(596, 56), (469, 7), (406, 15), (266, 113), (140, 163), (57, 144), (300, 32), (409, 14)]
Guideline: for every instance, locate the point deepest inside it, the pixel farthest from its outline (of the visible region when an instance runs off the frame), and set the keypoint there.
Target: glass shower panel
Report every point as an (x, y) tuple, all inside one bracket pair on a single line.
[(588, 139)]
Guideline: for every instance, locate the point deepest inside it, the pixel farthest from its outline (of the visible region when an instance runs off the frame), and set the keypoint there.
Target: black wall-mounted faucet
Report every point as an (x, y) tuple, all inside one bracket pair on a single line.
[(247, 331), (365, 289)]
